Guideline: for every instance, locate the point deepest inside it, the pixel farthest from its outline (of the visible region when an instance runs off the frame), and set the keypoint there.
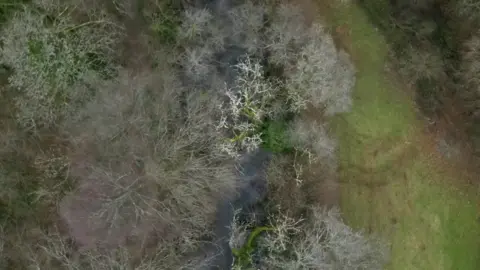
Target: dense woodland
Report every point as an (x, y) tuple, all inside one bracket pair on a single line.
[(162, 134)]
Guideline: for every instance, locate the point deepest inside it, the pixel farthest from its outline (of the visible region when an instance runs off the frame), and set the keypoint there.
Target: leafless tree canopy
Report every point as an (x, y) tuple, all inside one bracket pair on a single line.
[(137, 166)]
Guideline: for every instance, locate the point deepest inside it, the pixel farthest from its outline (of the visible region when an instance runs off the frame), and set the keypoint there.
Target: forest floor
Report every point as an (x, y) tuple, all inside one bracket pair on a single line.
[(394, 180)]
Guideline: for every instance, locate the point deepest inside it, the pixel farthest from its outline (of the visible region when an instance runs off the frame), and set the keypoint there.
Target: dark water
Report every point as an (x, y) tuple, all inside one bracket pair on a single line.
[(252, 178), (251, 167)]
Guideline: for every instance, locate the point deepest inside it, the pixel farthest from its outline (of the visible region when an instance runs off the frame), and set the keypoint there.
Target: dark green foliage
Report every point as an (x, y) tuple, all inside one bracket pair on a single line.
[(100, 65), (275, 137), (166, 29), (164, 22), (8, 7)]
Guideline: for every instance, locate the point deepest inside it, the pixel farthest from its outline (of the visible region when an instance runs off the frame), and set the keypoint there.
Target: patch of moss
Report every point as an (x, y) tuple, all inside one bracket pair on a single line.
[(243, 255)]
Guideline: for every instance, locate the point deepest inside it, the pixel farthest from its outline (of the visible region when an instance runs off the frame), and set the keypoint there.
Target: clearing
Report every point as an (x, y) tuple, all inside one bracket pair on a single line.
[(394, 183)]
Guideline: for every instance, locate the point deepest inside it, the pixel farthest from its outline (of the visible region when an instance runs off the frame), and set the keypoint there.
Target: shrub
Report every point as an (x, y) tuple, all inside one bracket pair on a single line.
[(244, 254), (50, 56), (322, 241), (275, 136), (52, 250), (312, 138), (56, 251), (163, 17), (8, 7), (165, 28)]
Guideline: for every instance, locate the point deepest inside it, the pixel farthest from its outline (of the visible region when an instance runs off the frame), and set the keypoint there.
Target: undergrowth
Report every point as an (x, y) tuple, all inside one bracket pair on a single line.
[(8, 7), (243, 255), (164, 19), (275, 137)]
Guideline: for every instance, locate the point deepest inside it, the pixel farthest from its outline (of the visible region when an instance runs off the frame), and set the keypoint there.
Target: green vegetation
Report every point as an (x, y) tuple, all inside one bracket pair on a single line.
[(8, 7), (275, 137), (165, 21), (243, 255), (320, 241), (393, 184)]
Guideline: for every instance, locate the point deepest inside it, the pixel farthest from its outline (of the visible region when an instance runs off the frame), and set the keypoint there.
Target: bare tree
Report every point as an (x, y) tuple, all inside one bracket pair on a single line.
[(248, 21), (312, 138), (316, 73), (321, 76), (248, 105), (147, 160), (322, 241), (50, 59), (286, 33)]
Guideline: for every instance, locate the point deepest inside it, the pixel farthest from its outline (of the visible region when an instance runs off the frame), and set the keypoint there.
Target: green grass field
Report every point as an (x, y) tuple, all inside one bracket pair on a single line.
[(392, 184)]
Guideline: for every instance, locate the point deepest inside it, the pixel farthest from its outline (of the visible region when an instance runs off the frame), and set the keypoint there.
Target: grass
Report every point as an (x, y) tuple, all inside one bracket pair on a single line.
[(393, 183)]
